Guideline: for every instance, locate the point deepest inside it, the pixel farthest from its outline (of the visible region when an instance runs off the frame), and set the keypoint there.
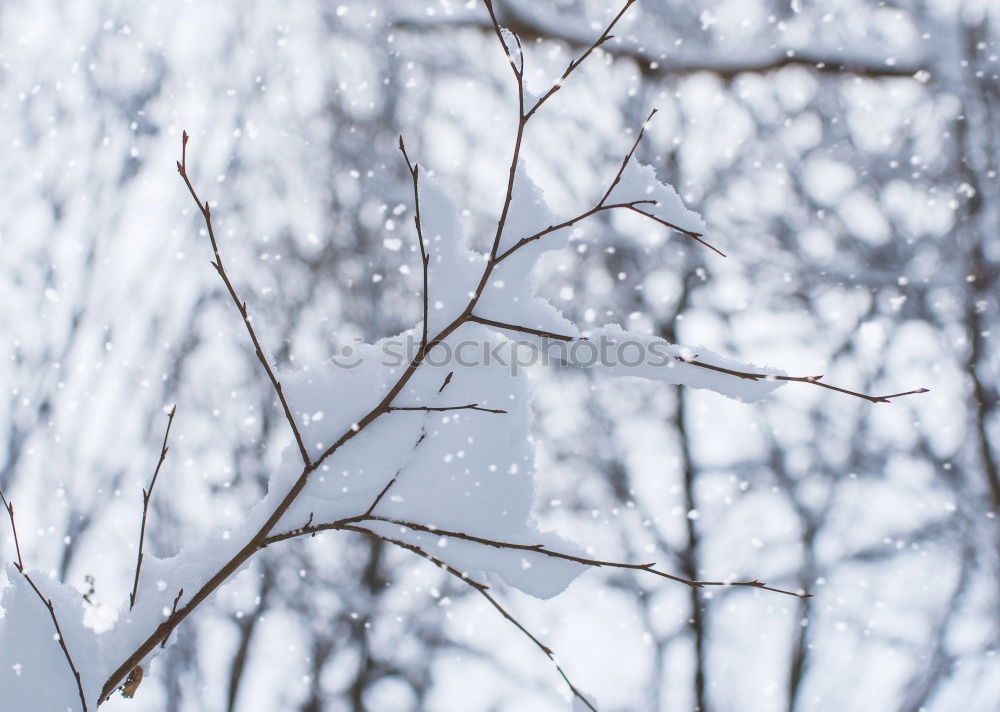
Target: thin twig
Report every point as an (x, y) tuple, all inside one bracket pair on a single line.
[(522, 121), (522, 329), (602, 206), (173, 611), (516, 67), (596, 563), (534, 548), (19, 565), (814, 380), (696, 236), (748, 375), (483, 590), (605, 36), (147, 495), (9, 506), (569, 223), (206, 213), (439, 409), (628, 157), (414, 170)]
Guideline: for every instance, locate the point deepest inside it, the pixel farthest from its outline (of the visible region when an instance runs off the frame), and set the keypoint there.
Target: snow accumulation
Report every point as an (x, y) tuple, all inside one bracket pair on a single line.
[(468, 470)]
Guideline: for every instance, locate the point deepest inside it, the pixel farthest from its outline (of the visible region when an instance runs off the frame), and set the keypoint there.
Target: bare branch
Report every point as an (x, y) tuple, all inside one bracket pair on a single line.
[(9, 506), (596, 563), (470, 406), (628, 157), (605, 36), (147, 495), (568, 223), (348, 523), (241, 305), (522, 329), (750, 376), (602, 206), (813, 380), (696, 236), (424, 257), (483, 590), (522, 119), (516, 66)]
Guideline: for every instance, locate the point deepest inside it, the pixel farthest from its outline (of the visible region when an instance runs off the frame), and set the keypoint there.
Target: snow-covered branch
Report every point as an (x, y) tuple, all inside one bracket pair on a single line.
[(442, 470)]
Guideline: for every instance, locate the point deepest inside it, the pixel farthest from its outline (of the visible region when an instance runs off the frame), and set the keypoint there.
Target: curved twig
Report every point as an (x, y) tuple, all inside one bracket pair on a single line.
[(147, 495)]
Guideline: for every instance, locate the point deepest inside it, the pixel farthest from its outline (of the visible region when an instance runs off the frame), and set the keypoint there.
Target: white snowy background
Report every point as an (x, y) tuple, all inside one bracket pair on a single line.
[(844, 156)]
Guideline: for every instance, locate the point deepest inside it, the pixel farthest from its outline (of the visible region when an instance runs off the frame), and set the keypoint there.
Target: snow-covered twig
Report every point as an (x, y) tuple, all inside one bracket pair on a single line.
[(19, 565), (147, 495)]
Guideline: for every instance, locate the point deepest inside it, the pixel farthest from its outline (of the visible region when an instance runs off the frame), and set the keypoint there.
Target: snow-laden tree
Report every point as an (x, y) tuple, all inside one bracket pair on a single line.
[(409, 452)]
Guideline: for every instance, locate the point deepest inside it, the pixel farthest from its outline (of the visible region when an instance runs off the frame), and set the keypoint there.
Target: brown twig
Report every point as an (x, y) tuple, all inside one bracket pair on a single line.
[(602, 206), (628, 157), (605, 36), (533, 548), (147, 495), (748, 375), (439, 409), (9, 506), (696, 236), (173, 611), (522, 121), (414, 170), (206, 213), (483, 590), (814, 380), (568, 223), (522, 329), (19, 565), (516, 67)]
